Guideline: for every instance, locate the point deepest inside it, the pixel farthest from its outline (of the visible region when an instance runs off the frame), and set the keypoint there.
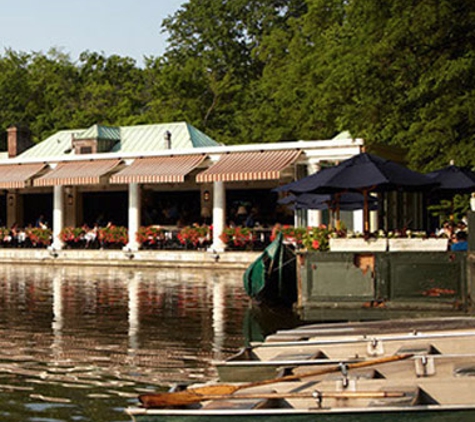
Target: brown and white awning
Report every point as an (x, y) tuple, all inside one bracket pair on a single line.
[(17, 176), (168, 169), (244, 166), (90, 172)]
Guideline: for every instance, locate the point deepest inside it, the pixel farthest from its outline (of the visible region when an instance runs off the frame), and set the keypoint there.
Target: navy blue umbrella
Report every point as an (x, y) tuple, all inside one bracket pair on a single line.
[(453, 179), (348, 201), (362, 173)]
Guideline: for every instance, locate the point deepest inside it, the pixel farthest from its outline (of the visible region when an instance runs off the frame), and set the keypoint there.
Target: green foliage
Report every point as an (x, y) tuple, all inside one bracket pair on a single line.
[(451, 210), (396, 72)]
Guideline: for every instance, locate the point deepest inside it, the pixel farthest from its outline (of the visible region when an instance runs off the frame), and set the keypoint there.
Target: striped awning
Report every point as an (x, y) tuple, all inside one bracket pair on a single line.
[(169, 169), (16, 176), (255, 165), (77, 173)]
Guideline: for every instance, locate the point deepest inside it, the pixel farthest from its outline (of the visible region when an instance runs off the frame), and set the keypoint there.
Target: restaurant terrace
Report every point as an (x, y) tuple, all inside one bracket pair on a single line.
[(138, 175)]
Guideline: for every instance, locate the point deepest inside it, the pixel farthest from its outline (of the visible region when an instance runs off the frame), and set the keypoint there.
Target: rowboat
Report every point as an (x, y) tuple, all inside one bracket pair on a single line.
[(363, 375), (389, 413), (372, 327), (444, 392), (271, 278), (269, 359)]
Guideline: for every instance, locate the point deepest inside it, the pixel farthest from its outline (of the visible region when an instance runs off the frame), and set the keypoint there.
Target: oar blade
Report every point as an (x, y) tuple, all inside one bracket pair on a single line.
[(185, 397)]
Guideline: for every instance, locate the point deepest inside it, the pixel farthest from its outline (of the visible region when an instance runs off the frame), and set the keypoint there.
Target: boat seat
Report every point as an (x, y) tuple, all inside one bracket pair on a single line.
[(413, 397), (257, 403), (291, 356), (358, 374), (236, 404), (424, 349), (465, 370), (423, 398), (246, 353)]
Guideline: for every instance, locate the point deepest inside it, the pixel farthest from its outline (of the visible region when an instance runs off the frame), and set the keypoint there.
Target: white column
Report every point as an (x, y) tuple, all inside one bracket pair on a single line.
[(58, 216), (358, 223), (373, 220), (314, 217), (134, 216), (219, 216)]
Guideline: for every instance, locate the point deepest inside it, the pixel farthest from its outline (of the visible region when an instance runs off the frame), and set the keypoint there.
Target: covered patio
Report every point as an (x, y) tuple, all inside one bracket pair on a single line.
[(127, 182)]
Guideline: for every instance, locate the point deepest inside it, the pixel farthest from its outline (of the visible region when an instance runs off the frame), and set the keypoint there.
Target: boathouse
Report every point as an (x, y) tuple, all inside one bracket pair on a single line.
[(129, 173)]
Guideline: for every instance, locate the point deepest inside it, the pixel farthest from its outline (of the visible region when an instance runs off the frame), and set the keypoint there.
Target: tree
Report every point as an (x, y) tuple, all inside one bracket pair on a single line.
[(210, 64), (53, 92), (111, 90), (14, 89)]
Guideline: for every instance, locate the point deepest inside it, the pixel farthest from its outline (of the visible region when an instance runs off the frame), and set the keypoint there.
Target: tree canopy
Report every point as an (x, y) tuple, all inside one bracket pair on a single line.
[(395, 72)]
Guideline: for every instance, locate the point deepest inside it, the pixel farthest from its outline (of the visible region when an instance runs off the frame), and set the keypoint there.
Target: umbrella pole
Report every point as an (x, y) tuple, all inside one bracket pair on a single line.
[(337, 212), (330, 214), (365, 211)]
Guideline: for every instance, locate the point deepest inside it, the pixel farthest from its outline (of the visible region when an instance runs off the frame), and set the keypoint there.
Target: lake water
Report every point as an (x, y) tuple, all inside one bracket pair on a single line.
[(80, 343)]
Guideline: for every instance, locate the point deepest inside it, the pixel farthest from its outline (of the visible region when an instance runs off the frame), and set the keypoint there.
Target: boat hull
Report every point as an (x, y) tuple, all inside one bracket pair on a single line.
[(415, 414), (272, 278)]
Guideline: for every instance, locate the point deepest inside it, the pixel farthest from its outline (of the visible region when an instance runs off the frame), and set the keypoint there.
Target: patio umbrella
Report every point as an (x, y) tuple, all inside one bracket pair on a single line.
[(452, 180), (362, 173), (347, 201)]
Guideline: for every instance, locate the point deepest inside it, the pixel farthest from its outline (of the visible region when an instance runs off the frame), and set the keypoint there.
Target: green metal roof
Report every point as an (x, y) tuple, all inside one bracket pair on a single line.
[(100, 132), (133, 139)]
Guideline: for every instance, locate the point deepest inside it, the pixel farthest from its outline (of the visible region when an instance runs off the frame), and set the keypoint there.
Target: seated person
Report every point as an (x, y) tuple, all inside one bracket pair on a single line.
[(91, 235), (459, 242)]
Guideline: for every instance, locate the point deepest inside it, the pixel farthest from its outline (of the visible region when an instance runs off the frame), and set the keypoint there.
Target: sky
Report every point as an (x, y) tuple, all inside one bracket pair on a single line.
[(129, 28)]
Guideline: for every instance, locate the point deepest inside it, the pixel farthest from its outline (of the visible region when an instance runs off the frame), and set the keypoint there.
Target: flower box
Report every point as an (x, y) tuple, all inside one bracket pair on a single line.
[(358, 245), (418, 244), (195, 236), (238, 238)]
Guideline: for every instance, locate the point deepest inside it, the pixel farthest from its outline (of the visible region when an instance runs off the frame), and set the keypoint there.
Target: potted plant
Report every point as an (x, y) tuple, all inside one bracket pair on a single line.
[(408, 240), (113, 237), (292, 235), (39, 237), (5, 236), (238, 237), (195, 236), (316, 238), (349, 241), (73, 237), (151, 237)]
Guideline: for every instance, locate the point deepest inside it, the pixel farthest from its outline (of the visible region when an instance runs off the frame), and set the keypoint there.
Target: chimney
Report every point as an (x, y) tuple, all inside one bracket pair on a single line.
[(18, 140), (168, 139)]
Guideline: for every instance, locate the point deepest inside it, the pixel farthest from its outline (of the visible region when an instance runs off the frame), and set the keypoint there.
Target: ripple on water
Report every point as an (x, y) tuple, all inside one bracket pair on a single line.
[(79, 344)]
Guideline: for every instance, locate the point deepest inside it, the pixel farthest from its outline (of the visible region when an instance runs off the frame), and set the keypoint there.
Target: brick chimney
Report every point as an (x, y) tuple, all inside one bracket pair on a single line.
[(18, 140)]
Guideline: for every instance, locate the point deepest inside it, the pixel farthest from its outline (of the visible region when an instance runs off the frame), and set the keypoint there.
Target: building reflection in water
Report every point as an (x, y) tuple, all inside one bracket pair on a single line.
[(134, 324), (218, 319), (70, 335), (57, 323), (161, 325)]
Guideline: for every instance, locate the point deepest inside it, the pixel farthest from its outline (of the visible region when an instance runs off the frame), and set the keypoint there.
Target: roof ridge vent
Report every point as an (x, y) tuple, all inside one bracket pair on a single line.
[(96, 139)]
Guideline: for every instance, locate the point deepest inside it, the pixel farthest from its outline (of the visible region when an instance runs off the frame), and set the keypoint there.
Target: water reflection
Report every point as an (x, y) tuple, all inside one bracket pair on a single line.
[(80, 343)]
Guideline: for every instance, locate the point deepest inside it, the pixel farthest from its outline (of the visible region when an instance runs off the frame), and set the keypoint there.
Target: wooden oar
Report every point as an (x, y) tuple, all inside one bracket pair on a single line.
[(314, 395), (198, 394)]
